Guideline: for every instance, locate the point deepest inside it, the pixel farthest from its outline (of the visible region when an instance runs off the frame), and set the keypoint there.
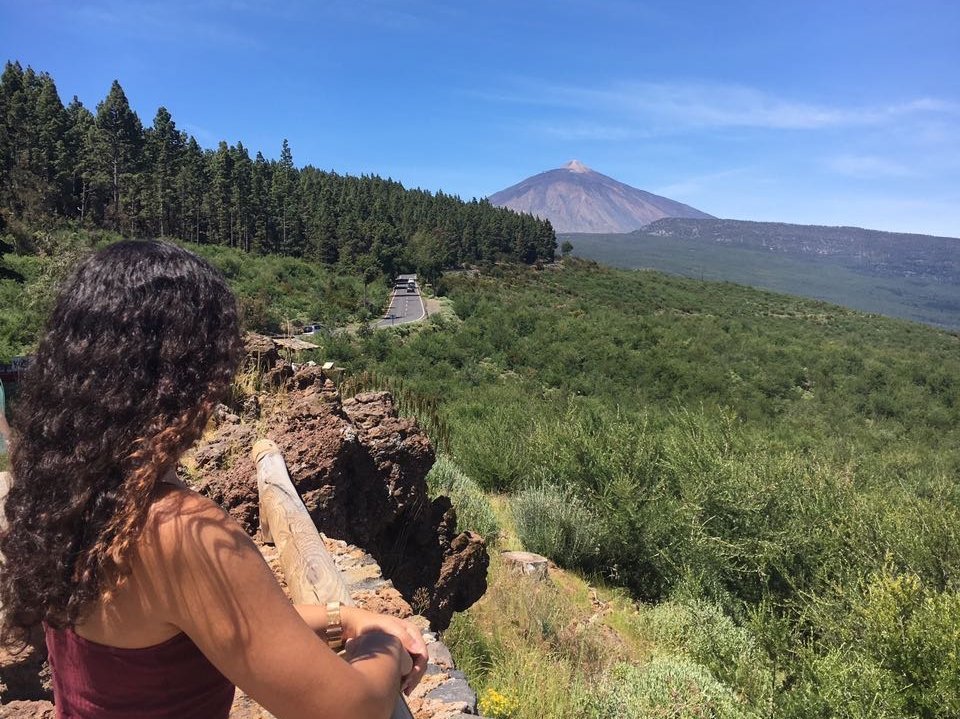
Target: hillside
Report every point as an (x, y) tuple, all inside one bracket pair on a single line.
[(914, 277), (275, 293), (770, 481), (774, 477), (577, 199), (883, 254)]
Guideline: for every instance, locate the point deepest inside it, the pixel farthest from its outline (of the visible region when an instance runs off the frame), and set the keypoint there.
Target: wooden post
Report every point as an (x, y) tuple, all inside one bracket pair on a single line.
[(312, 577)]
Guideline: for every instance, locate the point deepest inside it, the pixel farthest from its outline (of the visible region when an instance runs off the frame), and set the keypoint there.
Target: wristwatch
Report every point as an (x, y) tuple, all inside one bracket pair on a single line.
[(333, 632)]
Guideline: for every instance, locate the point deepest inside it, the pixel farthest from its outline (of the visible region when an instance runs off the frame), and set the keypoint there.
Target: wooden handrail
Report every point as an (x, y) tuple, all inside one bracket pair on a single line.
[(312, 577), (311, 574)]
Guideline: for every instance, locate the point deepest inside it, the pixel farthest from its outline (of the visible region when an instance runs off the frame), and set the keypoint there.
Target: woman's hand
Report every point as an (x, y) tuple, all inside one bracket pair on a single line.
[(357, 622)]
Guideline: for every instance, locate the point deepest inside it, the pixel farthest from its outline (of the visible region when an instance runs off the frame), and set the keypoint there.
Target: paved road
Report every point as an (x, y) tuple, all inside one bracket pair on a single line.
[(404, 307)]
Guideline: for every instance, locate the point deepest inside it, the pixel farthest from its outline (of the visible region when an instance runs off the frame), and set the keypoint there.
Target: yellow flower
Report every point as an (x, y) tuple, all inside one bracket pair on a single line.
[(498, 706)]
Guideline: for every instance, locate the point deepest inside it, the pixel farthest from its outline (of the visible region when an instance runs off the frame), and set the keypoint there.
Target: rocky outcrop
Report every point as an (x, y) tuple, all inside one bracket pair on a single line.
[(361, 471), (28, 710), (262, 352)]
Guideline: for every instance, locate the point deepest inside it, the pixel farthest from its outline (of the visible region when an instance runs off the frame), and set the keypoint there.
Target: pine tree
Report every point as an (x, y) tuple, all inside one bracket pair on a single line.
[(191, 184), (14, 120), (261, 181), (164, 147), (240, 199), (220, 164), (121, 135), (283, 197), (51, 162), (90, 184)]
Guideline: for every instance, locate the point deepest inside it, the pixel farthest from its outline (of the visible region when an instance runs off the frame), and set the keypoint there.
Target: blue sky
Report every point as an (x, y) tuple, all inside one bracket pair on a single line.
[(827, 112)]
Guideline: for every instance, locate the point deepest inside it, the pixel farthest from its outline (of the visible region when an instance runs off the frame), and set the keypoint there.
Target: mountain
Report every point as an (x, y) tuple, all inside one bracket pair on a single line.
[(577, 199), (874, 252), (916, 277)]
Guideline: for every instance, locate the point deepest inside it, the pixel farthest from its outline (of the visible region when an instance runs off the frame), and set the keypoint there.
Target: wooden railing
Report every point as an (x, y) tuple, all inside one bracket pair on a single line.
[(311, 575)]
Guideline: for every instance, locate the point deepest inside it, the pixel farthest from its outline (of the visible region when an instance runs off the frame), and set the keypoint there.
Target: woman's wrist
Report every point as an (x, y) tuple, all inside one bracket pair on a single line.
[(348, 616), (355, 621)]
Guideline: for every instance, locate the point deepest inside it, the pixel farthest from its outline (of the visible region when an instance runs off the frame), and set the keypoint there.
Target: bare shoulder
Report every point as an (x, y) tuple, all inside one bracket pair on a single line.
[(193, 554), (180, 501), (183, 524)]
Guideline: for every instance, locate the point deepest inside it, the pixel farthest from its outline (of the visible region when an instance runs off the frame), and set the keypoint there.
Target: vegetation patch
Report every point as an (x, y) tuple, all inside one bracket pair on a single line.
[(749, 461), (473, 508)]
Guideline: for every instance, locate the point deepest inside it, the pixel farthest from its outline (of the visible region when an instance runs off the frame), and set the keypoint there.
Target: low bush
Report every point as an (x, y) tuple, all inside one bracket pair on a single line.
[(473, 508), (891, 651), (668, 686), (708, 636), (553, 522)]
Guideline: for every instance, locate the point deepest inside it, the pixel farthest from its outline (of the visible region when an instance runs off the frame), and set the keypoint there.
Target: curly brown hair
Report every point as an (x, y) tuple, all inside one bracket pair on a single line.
[(143, 341)]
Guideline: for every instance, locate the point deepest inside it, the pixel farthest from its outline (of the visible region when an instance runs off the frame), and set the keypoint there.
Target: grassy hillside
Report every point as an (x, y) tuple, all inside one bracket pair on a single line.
[(774, 479), (787, 466), (918, 297), (274, 292)]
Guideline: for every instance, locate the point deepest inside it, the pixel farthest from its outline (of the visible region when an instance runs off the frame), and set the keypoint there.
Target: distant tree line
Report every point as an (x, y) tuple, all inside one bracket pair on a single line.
[(106, 170)]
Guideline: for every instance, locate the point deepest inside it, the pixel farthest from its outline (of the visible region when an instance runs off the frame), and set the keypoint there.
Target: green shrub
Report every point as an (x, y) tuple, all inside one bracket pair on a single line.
[(895, 647), (711, 638), (555, 523), (473, 508), (674, 687)]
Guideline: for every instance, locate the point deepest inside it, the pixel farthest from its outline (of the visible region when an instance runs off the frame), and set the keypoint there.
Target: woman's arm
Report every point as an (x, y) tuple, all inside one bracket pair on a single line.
[(356, 622), (207, 578)]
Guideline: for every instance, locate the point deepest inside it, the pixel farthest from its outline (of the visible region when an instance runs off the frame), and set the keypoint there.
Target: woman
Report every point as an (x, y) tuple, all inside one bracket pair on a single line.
[(154, 602)]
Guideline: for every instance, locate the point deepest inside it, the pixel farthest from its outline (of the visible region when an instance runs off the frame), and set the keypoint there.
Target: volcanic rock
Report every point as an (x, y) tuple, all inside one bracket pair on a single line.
[(361, 472), (262, 353), (28, 710)]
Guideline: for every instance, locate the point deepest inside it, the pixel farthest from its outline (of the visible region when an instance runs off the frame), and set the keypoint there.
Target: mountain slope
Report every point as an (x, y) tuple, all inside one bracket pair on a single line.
[(916, 277), (885, 254), (577, 199)]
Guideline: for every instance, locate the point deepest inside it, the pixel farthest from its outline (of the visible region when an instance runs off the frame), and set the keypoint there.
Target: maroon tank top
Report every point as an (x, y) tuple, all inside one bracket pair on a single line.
[(172, 679)]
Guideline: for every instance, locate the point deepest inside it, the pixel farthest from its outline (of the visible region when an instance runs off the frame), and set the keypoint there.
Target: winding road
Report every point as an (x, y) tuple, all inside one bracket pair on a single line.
[(404, 306)]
